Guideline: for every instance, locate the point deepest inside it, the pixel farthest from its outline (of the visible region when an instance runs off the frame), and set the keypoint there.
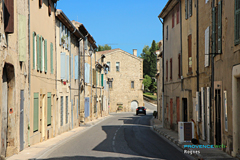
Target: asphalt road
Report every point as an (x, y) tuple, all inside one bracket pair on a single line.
[(122, 136)]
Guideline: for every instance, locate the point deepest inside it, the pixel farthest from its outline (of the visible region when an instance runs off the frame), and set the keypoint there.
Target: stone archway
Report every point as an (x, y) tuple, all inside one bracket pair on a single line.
[(134, 105)]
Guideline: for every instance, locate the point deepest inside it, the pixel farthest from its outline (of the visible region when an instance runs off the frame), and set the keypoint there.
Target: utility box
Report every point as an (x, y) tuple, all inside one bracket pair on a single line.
[(185, 131)]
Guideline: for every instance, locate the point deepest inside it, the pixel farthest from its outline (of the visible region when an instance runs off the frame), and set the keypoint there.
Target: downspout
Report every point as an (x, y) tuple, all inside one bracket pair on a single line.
[(79, 77), (29, 70), (96, 83), (91, 83), (181, 76), (162, 75)]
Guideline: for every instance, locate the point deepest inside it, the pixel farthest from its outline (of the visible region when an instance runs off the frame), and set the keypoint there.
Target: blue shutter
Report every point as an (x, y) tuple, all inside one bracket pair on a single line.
[(76, 67), (60, 34), (62, 56), (69, 45), (72, 66), (67, 59), (87, 67)]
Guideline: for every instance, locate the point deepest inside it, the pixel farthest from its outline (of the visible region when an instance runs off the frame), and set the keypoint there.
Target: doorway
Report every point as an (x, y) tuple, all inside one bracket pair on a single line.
[(218, 116), (185, 112)]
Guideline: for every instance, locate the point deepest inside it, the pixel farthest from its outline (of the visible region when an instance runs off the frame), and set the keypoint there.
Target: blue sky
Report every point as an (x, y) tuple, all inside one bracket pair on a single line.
[(124, 24)]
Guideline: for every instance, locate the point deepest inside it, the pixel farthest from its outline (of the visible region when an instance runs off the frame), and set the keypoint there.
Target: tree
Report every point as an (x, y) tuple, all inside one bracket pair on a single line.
[(147, 82), (104, 48)]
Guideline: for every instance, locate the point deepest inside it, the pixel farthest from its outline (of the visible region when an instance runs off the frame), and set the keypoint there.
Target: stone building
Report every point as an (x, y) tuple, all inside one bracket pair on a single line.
[(125, 76), (172, 64), (14, 88)]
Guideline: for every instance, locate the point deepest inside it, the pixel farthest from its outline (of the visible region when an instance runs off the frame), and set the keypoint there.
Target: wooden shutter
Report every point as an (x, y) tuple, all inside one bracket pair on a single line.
[(186, 9), (171, 69), (94, 77), (35, 112), (49, 108), (67, 68), (51, 52), (40, 55), (190, 53), (76, 67), (237, 22), (179, 66), (38, 60), (167, 70), (101, 79), (62, 57), (45, 54), (214, 31), (190, 8), (34, 36), (220, 27), (9, 16), (173, 19)]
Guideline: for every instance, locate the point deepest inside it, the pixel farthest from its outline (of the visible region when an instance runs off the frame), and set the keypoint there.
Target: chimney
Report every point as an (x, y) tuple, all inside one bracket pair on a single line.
[(135, 52)]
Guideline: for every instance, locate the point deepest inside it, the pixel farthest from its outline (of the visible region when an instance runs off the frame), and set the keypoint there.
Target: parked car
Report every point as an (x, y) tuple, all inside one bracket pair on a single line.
[(141, 110)]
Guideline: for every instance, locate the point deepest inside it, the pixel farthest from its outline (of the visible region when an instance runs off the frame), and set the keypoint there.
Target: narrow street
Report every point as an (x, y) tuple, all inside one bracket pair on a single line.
[(122, 136)]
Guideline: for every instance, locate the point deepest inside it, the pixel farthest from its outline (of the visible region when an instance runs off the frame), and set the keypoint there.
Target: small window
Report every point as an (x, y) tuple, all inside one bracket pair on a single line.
[(132, 84), (108, 63), (40, 3), (49, 8), (117, 66)]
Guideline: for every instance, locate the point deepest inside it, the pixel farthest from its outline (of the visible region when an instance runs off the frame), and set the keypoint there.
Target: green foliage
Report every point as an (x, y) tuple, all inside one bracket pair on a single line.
[(147, 82), (104, 48)]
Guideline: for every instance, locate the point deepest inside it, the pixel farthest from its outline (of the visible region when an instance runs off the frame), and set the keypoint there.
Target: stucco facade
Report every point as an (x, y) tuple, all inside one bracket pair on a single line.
[(126, 82)]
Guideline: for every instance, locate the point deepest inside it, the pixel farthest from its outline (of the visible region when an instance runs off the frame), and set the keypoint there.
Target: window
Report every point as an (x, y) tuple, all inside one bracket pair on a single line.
[(45, 55), (35, 112), (188, 8), (190, 53), (38, 52), (51, 57), (49, 8), (61, 110), (40, 3), (167, 70), (41, 54), (237, 20), (132, 84), (171, 69), (34, 50), (167, 34), (63, 63), (8, 16), (117, 66), (178, 14), (49, 109), (172, 19), (179, 66), (108, 63), (66, 109), (110, 84)]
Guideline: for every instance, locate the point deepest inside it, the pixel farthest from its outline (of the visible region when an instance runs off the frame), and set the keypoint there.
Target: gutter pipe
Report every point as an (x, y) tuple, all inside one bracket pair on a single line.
[(29, 71)]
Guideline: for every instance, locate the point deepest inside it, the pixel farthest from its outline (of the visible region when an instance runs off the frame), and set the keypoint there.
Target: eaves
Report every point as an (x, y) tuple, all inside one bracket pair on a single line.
[(168, 7)]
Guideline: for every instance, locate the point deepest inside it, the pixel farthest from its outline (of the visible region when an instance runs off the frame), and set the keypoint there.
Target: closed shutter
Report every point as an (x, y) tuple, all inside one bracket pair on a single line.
[(220, 27), (41, 54), (72, 66), (61, 110), (38, 60), (60, 33), (67, 68), (101, 79), (190, 8), (69, 36), (237, 22), (45, 54), (62, 57), (172, 19), (34, 37), (94, 77), (186, 9), (49, 109), (35, 112), (76, 67), (190, 53), (9, 16), (214, 31), (51, 50), (87, 67)]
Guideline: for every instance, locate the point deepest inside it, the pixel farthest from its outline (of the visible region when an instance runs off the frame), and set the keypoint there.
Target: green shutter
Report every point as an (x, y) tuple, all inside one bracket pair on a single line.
[(34, 36), (45, 55), (237, 22), (49, 108), (220, 27), (40, 56), (38, 60), (35, 112), (51, 50), (101, 79), (214, 31)]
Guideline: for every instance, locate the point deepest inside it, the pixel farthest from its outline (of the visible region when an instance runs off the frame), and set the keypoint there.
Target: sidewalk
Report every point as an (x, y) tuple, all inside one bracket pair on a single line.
[(40, 149), (205, 153)]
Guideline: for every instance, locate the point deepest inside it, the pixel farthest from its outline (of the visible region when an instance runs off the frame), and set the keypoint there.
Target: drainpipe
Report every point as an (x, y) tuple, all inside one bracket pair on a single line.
[(79, 77), (181, 76), (91, 83), (162, 75), (29, 70), (96, 82)]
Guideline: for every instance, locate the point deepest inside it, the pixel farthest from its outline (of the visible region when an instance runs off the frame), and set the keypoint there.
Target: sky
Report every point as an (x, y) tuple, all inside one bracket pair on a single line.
[(124, 24)]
